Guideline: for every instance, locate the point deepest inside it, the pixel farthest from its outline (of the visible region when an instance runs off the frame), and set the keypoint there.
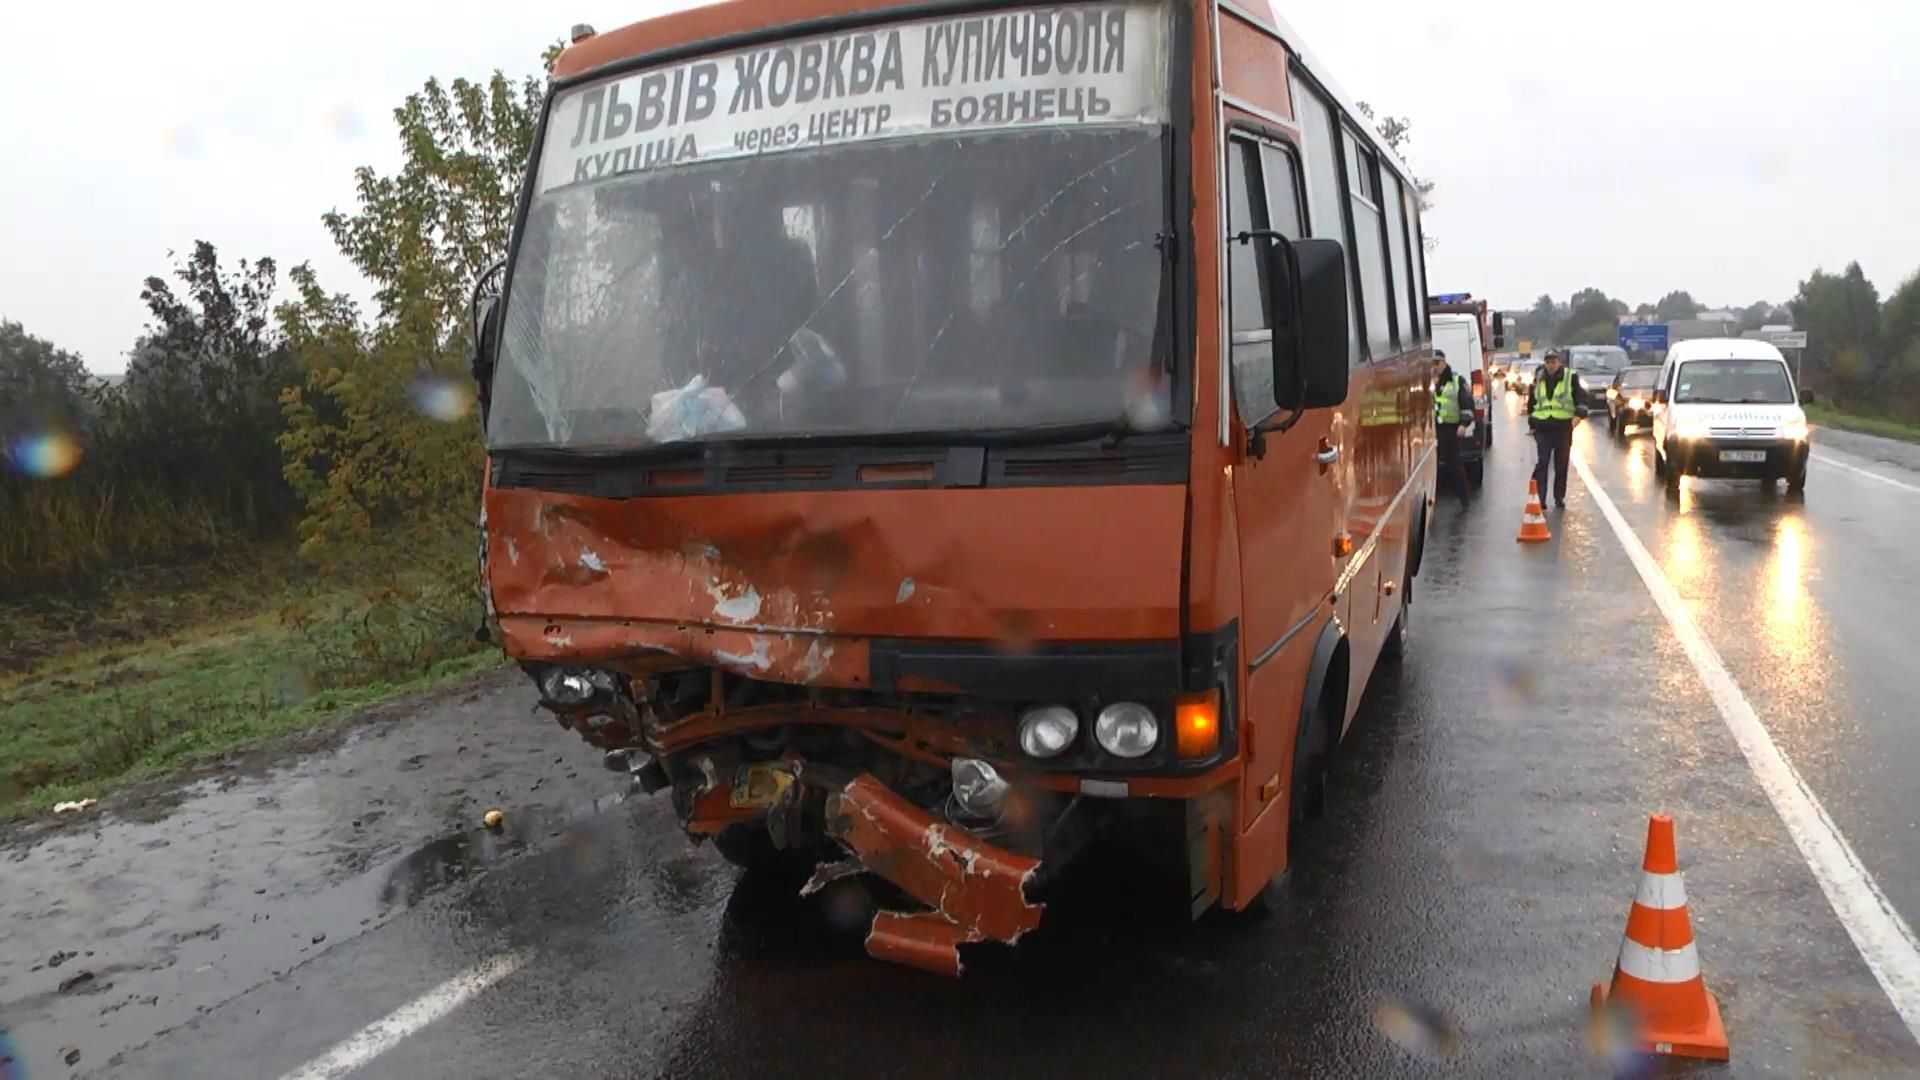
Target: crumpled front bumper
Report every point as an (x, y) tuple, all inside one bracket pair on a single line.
[(976, 891)]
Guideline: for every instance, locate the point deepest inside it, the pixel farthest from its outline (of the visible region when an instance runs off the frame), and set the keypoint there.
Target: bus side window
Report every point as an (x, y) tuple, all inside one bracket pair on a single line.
[(1283, 190), (1393, 199), (1369, 246), (1250, 318), (1326, 205)]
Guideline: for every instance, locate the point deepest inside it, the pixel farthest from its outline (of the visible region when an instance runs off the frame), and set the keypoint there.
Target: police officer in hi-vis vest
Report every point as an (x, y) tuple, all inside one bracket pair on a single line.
[(1554, 402), (1452, 409)]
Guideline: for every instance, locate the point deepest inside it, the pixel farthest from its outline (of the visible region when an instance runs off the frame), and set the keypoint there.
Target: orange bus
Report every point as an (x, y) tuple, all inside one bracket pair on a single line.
[(924, 439)]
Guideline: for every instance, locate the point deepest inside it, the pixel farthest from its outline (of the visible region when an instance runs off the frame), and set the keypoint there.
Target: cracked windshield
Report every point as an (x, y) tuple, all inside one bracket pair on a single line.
[(869, 261), (1162, 538)]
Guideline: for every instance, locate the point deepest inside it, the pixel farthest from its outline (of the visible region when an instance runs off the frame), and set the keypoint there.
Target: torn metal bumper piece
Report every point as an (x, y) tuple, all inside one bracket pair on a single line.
[(976, 890)]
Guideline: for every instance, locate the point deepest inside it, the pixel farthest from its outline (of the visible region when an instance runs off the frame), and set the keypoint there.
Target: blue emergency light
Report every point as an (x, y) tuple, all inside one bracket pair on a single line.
[(1453, 298)]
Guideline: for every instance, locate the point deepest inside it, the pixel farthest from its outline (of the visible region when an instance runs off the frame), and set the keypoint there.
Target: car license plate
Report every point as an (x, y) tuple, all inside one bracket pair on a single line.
[(759, 784), (1743, 456)]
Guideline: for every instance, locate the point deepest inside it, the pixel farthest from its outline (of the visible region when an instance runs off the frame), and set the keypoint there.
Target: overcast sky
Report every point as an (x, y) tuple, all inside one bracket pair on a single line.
[(1639, 146)]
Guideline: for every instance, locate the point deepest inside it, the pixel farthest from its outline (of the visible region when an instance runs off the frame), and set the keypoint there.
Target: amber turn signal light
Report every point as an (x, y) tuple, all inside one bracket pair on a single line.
[(1196, 722)]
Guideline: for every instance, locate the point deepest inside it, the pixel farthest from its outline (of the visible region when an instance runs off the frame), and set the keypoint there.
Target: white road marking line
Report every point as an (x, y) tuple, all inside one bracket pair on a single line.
[(1825, 457), (384, 1034), (1885, 941)]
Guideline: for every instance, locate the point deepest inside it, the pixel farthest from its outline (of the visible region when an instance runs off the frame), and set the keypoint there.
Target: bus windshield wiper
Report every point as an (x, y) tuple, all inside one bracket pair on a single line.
[(1110, 432)]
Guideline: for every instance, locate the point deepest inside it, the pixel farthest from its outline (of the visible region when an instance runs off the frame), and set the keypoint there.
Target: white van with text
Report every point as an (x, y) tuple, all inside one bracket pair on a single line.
[(1729, 407)]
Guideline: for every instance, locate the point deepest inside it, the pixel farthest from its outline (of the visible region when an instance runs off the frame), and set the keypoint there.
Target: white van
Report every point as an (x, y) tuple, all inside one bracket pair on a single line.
[(1728, 407), (1459, 337)]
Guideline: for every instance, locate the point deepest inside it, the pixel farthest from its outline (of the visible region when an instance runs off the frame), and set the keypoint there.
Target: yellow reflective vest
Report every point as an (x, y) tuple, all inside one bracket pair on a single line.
[(1556, 403), (1446, 403)]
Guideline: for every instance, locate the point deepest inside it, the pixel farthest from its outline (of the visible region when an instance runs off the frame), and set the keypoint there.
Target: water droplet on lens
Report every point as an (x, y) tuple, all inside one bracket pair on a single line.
[(442, 397)]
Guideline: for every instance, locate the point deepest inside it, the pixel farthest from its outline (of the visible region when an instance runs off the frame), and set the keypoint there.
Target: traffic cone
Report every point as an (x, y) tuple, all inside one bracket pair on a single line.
[(1656, 980), (1533, 523)]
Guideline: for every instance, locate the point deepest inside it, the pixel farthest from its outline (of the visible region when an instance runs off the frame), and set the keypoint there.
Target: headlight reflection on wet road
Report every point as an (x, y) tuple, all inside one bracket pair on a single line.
[(1795, 636), (1684, 560), (1786, 594)]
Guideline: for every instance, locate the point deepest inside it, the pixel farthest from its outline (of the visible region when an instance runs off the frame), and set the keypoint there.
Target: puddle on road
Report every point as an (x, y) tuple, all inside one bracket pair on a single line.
[(240, 880)]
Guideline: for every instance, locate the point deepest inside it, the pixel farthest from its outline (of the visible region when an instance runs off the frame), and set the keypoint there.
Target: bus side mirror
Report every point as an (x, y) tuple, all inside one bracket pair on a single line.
[(483, 326), (1312, 321), (486, 334), (1806, 397), (484, 350), (1659, 397)]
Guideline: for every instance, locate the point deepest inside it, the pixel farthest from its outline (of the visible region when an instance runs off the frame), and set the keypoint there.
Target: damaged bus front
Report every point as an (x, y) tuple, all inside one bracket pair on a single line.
[(840, 403)]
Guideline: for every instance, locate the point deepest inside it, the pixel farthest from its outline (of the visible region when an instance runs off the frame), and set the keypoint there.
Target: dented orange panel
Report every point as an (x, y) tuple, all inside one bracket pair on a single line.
[(1095, 563)]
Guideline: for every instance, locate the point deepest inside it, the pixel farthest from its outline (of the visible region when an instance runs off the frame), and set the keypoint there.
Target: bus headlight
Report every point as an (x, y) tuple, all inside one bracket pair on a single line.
[(978, 788), (1126, 729), (1047, 730), (567, 687)]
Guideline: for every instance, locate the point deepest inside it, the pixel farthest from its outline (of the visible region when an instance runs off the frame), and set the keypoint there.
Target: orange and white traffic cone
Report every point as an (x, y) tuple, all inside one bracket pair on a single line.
[(1656, 980), (1533, 523)]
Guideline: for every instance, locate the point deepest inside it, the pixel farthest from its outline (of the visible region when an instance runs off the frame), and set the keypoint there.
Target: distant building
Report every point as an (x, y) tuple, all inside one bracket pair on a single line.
[(1725, 315)]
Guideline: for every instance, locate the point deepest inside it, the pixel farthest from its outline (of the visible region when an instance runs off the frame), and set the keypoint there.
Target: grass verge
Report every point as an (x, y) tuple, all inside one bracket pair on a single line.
[(91, 717), (1867, 425)]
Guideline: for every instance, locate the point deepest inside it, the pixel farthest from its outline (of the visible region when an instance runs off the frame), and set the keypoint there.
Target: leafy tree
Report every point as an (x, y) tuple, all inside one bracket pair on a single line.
[(358, 448), (198, 411), (1598, 333), (1900, 335), (37, 378), (1588, 296), (1841, 315), (1675, 306), (179, 457), (1537, 322), (1759, 314), (1591, 320), (362, 448), (424, 234), (1644, 310)]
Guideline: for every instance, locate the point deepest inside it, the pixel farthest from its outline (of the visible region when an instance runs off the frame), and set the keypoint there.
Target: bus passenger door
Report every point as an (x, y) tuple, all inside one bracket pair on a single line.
[(1285, 500)]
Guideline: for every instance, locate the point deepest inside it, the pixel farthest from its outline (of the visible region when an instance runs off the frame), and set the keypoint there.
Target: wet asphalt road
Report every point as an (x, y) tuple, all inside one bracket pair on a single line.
[(1489, 811), (1811, 603)]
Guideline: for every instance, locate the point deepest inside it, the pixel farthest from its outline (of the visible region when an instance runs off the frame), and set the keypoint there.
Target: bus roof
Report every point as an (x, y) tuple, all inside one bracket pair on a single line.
[(706, 28), (1261, 13)]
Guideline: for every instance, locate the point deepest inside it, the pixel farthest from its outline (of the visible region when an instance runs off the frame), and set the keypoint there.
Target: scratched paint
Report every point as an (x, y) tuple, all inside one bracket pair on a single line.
[(905, 593), (759, 660), (819, 654), (735, 609), (591, 559)]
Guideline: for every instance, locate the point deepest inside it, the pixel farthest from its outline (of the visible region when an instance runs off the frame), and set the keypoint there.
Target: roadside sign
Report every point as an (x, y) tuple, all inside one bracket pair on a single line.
[(1788, 339), (1643, 337)]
